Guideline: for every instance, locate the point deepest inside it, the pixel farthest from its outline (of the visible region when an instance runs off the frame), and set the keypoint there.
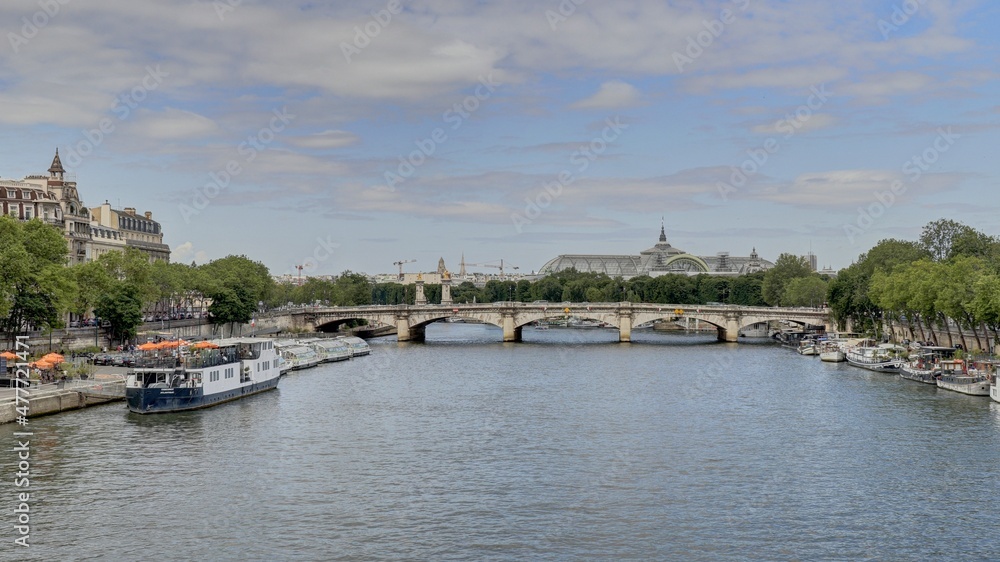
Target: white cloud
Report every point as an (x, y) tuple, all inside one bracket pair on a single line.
[(185, 253), (815, 122), (611, 95), (325, 140), (853, 188), (172, 124)]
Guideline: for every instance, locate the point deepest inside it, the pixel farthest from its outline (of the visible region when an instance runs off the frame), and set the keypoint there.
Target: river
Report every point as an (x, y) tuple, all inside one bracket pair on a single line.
[(568, 445)]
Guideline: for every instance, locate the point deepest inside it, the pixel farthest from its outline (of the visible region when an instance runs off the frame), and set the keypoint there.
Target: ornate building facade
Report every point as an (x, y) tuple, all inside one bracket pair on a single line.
[(89, 233), (660, 259)]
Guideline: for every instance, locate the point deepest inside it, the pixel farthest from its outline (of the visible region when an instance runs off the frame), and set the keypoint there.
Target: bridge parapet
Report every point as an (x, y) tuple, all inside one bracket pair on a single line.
[(410, 320)]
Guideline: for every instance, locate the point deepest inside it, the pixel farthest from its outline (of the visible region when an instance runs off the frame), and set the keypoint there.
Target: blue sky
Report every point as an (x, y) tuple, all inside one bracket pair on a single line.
[(781, 125)]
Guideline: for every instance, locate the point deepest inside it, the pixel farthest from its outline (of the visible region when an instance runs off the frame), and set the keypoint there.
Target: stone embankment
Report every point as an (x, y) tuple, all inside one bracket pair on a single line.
[(53, 398)]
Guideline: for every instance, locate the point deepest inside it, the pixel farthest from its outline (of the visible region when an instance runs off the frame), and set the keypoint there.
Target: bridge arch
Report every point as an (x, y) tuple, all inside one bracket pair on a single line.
[(526, 318), (330, 326)]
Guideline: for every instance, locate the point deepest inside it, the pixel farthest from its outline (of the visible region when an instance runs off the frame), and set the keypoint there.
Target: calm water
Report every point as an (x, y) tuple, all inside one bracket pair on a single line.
[(566, 446)]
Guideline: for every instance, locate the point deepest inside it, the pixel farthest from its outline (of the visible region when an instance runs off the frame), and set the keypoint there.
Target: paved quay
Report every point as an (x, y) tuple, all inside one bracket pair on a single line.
[(106, 385)]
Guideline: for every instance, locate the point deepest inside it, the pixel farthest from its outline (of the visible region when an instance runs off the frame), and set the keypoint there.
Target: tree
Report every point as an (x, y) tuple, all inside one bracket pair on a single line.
[(805, 291), (747, 290), (36, 289), (786, 268), (848, 293), (231, 306), (946, 239), (122, 307)]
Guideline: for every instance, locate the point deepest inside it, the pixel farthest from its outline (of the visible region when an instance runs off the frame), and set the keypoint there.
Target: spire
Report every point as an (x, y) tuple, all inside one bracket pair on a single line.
[(663, 233), (56, 167)]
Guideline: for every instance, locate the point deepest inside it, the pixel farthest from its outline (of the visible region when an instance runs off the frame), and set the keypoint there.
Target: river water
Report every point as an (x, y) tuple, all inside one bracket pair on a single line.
[(565, 446)]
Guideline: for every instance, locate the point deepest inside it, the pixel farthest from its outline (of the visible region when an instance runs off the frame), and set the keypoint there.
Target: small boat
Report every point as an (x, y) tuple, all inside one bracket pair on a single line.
[(832, 352), (924, 364), (330, 349), (358, 346), (300, 356), (221, 371), (808, 346), (956, 376), (883, 358)]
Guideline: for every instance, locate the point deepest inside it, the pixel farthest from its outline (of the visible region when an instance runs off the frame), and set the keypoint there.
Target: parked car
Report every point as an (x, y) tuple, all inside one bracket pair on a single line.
[(102, 359)]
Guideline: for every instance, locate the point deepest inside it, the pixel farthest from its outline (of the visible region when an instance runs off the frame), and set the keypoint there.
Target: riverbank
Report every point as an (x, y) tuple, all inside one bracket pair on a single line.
[(53, 398)]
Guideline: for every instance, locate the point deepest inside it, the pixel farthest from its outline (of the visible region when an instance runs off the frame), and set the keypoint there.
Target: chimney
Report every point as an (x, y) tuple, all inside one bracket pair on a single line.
[(130, 211), (149, 215)]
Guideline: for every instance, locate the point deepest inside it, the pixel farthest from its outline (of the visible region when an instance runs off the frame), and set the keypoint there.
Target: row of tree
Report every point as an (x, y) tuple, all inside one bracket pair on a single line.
[(948, 278), (37, 290)]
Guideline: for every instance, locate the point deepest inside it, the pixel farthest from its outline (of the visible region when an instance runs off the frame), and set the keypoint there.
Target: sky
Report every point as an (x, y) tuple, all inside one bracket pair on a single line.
[(350, 135)]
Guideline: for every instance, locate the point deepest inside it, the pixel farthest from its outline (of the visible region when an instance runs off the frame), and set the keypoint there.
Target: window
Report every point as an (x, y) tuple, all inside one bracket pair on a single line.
[(14, 209), (12, 194), (28, 212)]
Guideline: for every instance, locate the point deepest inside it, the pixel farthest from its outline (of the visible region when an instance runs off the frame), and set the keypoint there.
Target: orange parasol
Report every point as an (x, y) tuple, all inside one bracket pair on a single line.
[(8, 355), (42, 365), (53, 358), (205, 345), (148, 346)]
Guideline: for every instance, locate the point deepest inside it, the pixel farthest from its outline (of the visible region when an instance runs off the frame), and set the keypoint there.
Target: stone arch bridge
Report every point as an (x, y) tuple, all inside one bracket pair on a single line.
[(411, 320)]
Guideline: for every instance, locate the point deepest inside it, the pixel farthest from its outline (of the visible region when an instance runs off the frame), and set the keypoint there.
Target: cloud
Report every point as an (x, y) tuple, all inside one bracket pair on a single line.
[(814, 122), (184, 253), (852, 188), (172, 124), (328, 139), (611, 95)]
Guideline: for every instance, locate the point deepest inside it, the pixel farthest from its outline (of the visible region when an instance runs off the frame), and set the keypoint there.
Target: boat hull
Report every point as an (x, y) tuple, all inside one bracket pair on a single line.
[(880, 367), (919, 375), (833, 356), (167, 400), (970, 387)]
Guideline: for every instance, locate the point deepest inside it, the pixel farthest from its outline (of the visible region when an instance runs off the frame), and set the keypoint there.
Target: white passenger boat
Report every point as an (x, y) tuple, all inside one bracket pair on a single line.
[(993, 390), (300, 356), (956, 376), (330, 349), (220, 371), (358, 346), (883, 358)]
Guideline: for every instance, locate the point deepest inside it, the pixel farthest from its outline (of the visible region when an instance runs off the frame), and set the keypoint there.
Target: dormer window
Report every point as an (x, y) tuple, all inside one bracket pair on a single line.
[(11, 194)]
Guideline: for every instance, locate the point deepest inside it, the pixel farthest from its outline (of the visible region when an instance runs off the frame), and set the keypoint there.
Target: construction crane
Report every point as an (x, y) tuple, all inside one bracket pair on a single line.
[(400, 264), (500, 267)]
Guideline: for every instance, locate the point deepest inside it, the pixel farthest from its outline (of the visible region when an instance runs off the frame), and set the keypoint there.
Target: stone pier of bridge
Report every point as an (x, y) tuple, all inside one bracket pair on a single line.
[(511, 331)]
